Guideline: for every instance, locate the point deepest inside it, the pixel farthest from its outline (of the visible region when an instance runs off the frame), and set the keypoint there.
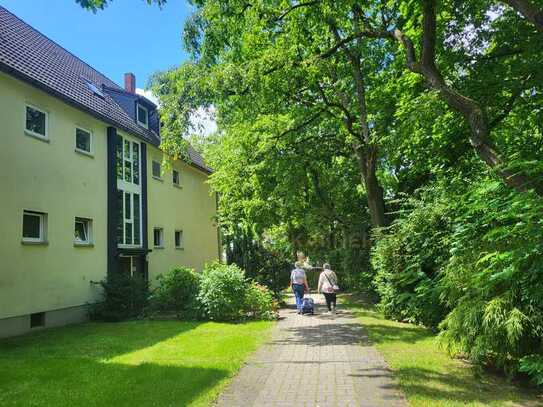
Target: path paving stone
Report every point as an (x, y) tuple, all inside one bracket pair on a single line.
[(316, 361)]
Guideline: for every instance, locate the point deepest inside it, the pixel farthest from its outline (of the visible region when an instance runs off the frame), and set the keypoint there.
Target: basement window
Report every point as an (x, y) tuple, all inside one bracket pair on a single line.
[(37, 319)]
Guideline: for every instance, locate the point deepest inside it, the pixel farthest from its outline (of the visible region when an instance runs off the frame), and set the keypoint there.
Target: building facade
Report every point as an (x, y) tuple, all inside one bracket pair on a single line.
[(84, 192)]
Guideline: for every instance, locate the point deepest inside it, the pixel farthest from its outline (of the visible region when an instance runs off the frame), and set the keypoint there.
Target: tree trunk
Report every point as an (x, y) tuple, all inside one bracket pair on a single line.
[(527, 9), (374, 192)]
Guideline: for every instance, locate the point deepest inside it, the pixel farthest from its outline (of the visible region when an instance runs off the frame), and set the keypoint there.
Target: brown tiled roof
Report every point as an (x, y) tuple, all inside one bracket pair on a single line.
[(32, 57)]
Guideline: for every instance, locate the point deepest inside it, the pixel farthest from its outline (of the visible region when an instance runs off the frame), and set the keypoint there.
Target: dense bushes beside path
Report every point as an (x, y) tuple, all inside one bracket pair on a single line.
[(221, 293), (177, 292), (123, 297), (408, 261), (469, 260)]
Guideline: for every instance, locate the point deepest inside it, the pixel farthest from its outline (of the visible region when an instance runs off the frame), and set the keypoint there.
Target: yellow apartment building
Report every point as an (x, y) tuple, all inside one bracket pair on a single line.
[(83, 191)]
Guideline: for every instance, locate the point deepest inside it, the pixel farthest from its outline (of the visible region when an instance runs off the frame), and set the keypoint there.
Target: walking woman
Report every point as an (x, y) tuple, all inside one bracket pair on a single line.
[(298, 283), (328, 286)]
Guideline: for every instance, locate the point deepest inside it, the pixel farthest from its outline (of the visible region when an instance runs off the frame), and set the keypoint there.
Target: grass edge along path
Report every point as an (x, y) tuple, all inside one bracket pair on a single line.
[(135, 363), (427, 375)]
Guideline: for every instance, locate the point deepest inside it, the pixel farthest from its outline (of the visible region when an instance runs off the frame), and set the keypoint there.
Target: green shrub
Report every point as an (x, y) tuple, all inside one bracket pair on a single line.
[(259, 302), (494, 282), (222, 292), (269, 268), (473, 255), (532, 365), (408, 259), (177, 292), (123, 297)]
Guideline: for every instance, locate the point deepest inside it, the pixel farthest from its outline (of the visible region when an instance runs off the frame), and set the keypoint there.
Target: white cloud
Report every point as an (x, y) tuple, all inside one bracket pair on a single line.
[(203, 121), (148, 95)]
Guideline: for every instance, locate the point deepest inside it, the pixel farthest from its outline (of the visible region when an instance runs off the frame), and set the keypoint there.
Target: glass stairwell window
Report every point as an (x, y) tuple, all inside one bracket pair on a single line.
[(128, 192)]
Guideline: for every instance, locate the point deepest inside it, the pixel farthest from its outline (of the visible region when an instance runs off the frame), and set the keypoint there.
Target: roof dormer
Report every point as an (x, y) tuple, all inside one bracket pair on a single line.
[(140, 109), (142, 115)]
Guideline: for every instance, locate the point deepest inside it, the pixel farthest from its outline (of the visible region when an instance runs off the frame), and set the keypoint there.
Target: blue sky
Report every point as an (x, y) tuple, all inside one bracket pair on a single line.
[(128, 36)]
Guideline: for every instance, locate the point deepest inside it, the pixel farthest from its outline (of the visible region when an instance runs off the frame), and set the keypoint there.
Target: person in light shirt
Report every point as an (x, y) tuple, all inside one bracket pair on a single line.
[(328, 286), (298, 284)]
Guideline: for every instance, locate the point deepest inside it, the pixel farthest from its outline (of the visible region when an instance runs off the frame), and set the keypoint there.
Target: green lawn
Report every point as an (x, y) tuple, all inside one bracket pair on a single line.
[(139, 363), (426, 373)]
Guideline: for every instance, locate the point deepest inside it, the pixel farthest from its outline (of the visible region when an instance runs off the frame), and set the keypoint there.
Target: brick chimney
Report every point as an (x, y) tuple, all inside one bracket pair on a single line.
[(130, 82)]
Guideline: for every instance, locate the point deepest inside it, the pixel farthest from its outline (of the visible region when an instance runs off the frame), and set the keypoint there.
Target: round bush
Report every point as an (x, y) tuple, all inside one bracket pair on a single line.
[(177, 292), (222, 292), (259, 302)]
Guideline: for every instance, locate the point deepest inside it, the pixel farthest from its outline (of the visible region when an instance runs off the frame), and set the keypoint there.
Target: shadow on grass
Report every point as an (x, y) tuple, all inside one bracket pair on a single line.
[(385, 333), (444, 381), (92, 340), (462, 388), (76, 366), (80, 382)]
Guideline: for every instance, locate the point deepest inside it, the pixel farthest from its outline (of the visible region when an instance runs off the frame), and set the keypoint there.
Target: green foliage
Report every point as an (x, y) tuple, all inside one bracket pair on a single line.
[(124, 297), (177, 291), (313, 98), (227, 295), (408, 259), (493, 280), (222, 292), (467, 259), (427, 375), (95, 5), (133, 363), (259, 302), (266, 266), (532, 365)]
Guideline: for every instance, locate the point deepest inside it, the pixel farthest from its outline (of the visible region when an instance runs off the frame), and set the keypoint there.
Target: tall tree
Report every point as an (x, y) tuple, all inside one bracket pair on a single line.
[(265, 60), (401, 24)]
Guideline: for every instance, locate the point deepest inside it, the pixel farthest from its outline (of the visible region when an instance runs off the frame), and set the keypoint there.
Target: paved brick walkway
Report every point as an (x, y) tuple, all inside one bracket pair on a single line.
[(318, 361)]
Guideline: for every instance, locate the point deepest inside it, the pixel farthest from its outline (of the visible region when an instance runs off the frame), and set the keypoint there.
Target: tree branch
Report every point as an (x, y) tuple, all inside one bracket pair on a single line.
[(244, 9), (300, 126), (296, 6), (529, 11), (329, 103), (510, 104), (362, 34), (428, 54)]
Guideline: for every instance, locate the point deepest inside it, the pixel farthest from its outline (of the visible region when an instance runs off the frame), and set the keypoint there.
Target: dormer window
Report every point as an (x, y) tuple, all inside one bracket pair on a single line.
[(142, 116)]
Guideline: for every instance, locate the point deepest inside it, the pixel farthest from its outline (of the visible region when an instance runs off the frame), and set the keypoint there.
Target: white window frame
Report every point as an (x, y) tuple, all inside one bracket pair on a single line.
[(33, 133), (138, 106), (161, 236), (131, 188), (91, 144), (178, 183), (158, 177), (181, 245), (42, 217), (87, 225)]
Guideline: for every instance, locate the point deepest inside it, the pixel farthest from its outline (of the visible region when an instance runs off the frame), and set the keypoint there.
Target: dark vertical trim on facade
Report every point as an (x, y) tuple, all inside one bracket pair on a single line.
[(112, 209), (219, 236), (144, 214)]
